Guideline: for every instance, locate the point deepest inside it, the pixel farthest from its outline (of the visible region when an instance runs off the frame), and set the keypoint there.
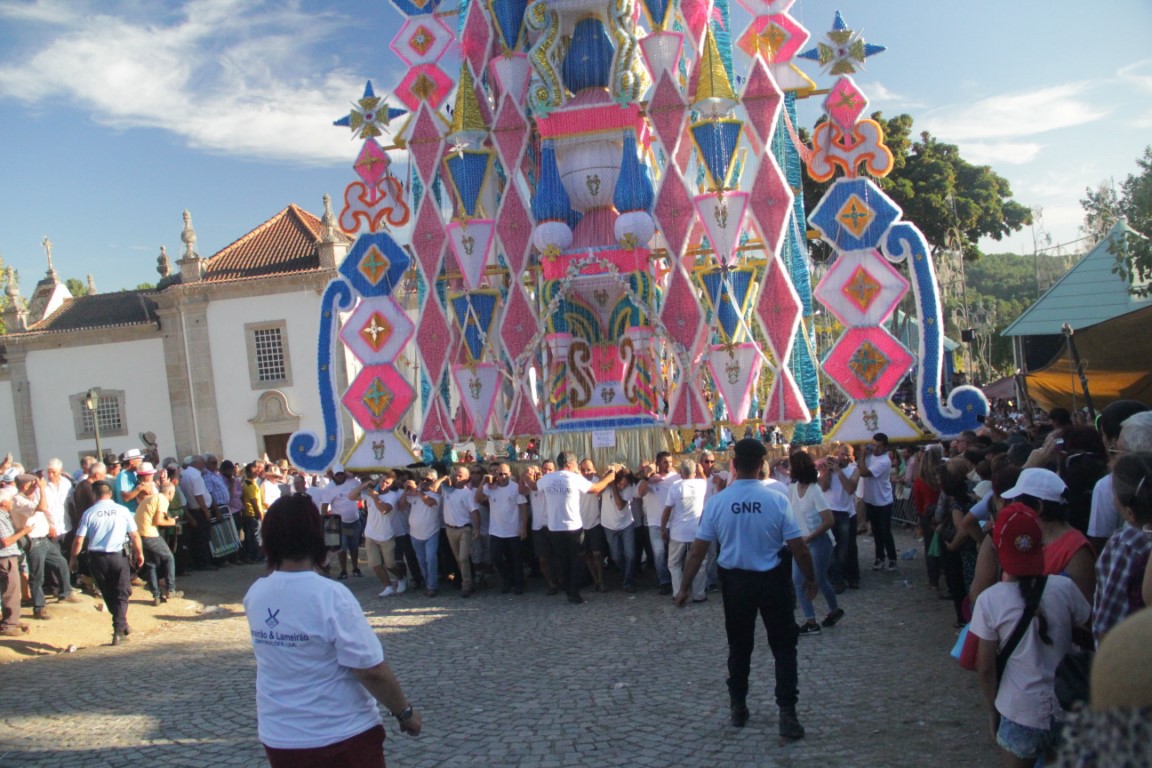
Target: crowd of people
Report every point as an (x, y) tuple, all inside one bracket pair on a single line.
[(1053, 527)]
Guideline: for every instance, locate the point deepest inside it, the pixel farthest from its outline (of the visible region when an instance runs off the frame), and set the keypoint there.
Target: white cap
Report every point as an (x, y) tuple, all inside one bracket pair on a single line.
[(1040, 483), (337, 468), (9, 475)]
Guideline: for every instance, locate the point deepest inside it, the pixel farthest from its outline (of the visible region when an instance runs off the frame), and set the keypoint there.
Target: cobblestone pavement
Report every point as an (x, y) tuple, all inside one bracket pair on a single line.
[(501, 680)]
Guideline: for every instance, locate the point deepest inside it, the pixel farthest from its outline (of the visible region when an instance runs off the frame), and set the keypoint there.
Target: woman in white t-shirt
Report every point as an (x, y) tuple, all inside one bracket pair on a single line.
[(815, 520), (315, 652), (1026, 717)]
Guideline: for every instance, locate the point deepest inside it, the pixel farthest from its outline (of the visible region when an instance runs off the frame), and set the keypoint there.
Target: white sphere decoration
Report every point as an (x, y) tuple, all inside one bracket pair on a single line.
[(634, 229), (549, 235)]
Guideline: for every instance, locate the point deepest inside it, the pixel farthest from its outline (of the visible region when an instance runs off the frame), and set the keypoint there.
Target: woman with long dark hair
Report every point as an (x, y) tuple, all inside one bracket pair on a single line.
[(320, 668), (814, 519), (958, 550)]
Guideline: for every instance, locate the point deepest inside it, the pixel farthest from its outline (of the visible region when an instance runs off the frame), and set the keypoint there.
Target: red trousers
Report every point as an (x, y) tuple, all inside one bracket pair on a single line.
[(364, 750)]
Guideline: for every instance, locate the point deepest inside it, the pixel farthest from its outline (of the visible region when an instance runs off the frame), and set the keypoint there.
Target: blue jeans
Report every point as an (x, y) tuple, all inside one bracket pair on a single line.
[(426, 554), (660, 556), (251, 538), (1027, 743), (42, 554), (622, 548), (350, 537), (821, 550), (157, 556)]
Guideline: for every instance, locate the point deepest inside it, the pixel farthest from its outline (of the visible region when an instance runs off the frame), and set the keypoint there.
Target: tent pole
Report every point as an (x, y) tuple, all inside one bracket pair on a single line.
[(1069, 334)]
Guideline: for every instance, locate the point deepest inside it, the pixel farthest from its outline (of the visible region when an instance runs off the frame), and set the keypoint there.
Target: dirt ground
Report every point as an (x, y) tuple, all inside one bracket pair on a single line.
[(72, 627)]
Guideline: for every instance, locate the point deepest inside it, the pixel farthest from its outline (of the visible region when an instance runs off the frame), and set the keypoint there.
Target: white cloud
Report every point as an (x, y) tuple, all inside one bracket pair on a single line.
[(881, 95), (1138, 73), (226, 75), (1000, 152), (1015, 115)]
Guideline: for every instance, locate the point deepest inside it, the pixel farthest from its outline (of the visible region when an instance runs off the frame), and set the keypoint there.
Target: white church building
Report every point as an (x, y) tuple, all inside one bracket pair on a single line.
[(219, 358)]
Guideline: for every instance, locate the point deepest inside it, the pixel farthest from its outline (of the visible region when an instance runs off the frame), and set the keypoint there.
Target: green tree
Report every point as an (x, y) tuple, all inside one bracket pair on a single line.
[(940, 191), (1133, 251), (146, 287), (76, 287), (1101, 211)]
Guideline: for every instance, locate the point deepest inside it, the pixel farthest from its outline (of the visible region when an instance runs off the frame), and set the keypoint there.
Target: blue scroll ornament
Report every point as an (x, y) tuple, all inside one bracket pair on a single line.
[(967, 406), (306, 449)]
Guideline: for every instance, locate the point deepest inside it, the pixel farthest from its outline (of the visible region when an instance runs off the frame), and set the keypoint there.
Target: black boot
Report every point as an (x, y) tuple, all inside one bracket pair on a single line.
[(790, 727), (738, 712)]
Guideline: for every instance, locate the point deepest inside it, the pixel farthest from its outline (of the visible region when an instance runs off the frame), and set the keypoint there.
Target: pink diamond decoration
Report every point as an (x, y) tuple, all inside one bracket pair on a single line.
[(428, 237), (424, 82), (372, 162), (476, 40), (524, 420), (675, 212), (666, 110), (845, 103), (689, 409), (426, 143), (785, 404), (514, 228), (861, 288), (682, 315), (697, 14), (775, 39), (433, 338), (422, 39), (518, 326), (378, 398), (437, 426), (771, 203), (510, 133), (761, 99), (867, 363), (779, 310)]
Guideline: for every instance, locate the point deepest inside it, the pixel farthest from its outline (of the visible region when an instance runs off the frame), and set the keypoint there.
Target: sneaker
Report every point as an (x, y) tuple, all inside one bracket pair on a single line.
[(790, 727), (401, 586), (833, 617), (389, 591), (891, 566), (809, 628), (665, 589), (356, 572), (877, 565), (343, 576)]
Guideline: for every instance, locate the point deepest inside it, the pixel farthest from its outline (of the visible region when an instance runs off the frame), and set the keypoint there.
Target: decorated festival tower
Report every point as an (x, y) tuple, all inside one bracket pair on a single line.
[(581, 228)]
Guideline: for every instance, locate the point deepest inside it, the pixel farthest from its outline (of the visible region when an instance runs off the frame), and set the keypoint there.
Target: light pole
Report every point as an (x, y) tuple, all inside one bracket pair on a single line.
[(92, 403)]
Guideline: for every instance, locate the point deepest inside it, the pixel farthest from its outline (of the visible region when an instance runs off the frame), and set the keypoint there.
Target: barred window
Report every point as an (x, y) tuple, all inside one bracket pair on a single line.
[(109, 414), (268, 360), (269, 355)]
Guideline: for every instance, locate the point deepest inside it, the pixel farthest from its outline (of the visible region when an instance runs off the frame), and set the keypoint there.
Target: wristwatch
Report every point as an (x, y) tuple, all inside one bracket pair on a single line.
[(404, 716)]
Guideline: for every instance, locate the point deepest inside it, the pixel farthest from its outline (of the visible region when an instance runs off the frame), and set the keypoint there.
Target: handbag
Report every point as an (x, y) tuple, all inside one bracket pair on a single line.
[(965, 648), (1072, 677)]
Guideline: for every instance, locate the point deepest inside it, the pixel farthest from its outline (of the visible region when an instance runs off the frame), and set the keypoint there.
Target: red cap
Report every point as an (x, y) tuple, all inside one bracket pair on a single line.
[(1019, 541)]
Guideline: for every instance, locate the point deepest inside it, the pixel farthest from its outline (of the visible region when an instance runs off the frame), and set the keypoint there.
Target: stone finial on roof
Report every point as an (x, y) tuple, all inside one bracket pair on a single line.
[(13, 289), (328, 222), (48, 252), (15, 316), (191, 265), (188, 236), (163, 264), (91, 285)]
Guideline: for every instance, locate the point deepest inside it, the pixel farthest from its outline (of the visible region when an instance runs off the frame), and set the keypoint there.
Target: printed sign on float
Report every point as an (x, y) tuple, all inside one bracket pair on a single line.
[(604, 438)]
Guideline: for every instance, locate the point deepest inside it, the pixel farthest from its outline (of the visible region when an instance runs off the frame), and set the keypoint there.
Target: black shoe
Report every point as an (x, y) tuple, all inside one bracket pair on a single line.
[(809, 628), (790, 727), (156, 600), (343, 576), (738, 714), (576, 599), (665, 589), (833, 617), (356, 572)]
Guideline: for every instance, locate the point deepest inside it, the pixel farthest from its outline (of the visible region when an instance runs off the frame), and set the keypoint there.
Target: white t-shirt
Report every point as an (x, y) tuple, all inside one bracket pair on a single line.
[(380, 525), (57, 504), (335, 495), (504, 503), (1027, 691), (612, 517), (775, 485), (686, 498), (309, 634), (1104, 519), (839, 500), (713, 485), (192, 483), (807, 510), (424, 520), (459, 504), (590, 508), (878, 489), (539, 510), (562, 491), (269, 492), (657, 497)]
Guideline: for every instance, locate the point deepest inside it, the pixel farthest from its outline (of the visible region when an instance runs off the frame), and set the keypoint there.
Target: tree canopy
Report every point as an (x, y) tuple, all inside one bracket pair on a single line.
[(940, 191), (1103, 207)]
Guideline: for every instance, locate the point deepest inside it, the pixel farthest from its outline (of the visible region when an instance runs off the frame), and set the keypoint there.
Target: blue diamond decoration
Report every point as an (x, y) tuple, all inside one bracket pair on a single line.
[(375, 265), (854, 214)]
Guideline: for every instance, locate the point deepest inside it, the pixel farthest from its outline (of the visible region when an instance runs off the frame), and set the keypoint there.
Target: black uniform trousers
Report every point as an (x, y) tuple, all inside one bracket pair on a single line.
[(113, 575), (768, 594)]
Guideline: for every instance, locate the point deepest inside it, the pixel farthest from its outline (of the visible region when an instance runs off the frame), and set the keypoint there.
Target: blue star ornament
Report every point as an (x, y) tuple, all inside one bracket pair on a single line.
[(370, 116), (844, 52)]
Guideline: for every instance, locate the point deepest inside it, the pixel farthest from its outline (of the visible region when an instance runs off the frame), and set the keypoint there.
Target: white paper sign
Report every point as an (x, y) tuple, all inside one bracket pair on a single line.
[(604, 438)]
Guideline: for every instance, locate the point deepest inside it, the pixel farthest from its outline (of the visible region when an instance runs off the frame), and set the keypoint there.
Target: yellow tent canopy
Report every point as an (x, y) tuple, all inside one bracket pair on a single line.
[(1117, 359)]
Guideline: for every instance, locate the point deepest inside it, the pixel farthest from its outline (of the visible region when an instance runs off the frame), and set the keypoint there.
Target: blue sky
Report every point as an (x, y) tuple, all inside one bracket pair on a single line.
[(119, 114)]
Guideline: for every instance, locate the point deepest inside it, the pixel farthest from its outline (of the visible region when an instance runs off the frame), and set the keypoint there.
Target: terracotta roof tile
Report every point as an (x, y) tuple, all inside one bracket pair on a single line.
[(285, 243), (100, 310)]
